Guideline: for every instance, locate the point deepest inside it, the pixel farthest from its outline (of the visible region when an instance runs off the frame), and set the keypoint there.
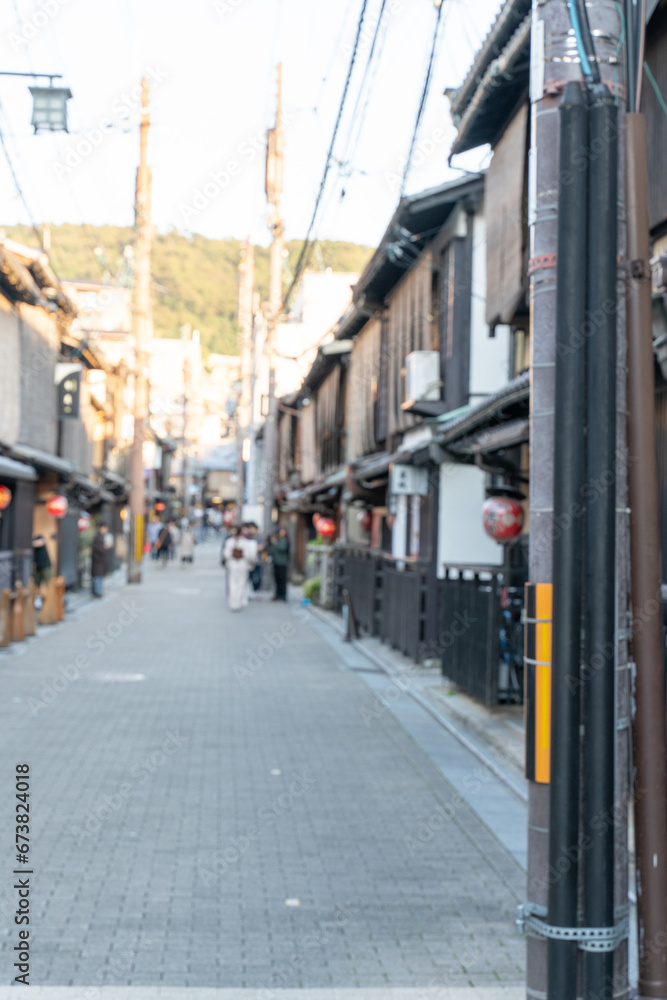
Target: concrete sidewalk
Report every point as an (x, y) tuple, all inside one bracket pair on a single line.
[(219, 804), (499, 730)]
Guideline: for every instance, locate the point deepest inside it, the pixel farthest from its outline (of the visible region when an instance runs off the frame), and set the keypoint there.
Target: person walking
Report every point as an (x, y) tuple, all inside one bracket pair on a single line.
[(164, 544), (238, 560), (154, 528), (98, 564), (279, 550), (187, 548), (41, 561)]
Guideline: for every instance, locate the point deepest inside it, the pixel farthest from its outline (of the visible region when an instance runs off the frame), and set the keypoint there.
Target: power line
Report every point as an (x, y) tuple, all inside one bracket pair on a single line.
[(334, 52), (422, 103), (303, 258), (356, 122), (582, 33), (17, 185)]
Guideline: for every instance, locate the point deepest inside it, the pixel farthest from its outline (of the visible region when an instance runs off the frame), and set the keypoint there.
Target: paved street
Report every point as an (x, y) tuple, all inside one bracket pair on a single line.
[(217, 802)]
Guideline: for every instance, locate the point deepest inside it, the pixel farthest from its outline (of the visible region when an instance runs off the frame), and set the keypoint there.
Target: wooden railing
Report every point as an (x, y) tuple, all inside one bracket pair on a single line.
[(468, 641), (15, 567), (456, 619), (22, 566), (405, 594), (359, 573), (5, 570)]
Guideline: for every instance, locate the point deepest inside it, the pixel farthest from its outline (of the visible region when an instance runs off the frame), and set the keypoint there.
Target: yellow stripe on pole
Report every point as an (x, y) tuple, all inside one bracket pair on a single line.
[(138, 537), (543, 608)]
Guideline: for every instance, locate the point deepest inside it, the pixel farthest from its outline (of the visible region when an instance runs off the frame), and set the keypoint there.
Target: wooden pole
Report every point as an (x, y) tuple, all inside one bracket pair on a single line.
[(274, 184), (246, 290), (142, 325)]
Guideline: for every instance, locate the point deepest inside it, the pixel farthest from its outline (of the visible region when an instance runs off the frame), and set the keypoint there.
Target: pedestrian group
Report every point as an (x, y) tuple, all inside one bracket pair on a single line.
[(244, 553)]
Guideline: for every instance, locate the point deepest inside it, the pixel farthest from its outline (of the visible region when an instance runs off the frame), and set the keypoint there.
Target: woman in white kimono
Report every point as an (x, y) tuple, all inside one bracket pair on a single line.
[(239, 560)]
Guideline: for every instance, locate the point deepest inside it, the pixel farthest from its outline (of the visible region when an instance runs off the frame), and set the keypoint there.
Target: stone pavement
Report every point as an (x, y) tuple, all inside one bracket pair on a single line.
[(216, 802)]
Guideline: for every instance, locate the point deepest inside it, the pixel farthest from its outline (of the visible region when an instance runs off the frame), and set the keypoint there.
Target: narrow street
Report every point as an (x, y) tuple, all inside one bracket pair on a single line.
[(216, 802)]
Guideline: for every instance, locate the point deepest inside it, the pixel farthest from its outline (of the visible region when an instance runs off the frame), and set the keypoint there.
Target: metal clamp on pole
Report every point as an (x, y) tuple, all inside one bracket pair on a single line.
[(531, 922)]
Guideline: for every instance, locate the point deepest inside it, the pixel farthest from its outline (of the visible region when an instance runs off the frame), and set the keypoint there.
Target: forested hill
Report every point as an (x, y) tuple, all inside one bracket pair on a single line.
[(194, 278)]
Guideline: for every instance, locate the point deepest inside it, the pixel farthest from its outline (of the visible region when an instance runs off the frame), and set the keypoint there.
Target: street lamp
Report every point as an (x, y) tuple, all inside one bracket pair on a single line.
[(49, 104), (49, 108)]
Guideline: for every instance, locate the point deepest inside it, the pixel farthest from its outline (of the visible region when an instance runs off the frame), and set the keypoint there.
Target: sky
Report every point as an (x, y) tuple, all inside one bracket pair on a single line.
[(212, 69)]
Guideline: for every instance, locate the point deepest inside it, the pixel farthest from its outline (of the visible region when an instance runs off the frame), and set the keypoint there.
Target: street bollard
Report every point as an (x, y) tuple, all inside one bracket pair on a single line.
[(18, 614), (48, 614), (30, 594), (60, 598), (5, 618)]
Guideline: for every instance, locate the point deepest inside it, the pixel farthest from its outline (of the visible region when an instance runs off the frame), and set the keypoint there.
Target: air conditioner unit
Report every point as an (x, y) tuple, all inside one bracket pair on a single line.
[(422, 376)]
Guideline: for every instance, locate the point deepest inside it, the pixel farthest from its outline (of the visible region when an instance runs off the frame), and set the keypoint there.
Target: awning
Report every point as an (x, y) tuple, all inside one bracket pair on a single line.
[(42, 459), (95, 490), (9, 469), (505, 435), (494, 408), (113, 477), (373, 465)]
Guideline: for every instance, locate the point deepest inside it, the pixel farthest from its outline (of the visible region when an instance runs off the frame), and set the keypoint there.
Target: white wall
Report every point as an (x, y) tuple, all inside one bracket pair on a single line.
[(462, 540), (489, 356), (400, 529), (13, 373)]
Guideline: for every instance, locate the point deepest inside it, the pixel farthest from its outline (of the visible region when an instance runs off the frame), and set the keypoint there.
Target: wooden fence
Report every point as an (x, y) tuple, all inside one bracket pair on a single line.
[(457, 619)]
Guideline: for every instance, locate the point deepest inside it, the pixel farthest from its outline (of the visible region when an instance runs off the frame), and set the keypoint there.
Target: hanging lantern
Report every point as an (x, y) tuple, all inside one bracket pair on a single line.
[(503, 518), (365, 519), (49, 108), (316, 519), (84, 521), (159, 506), (57, 506), (326, 527), (5, 497)]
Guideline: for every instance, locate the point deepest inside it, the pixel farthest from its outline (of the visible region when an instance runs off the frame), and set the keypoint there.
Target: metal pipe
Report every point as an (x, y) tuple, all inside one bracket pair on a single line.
[(599, 673), (648, 726), (569, 474)]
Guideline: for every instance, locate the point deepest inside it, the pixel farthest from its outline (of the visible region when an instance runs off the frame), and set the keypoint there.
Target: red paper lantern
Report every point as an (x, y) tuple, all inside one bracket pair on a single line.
[(365, 519), (159, 506), (326, 527), (503, 518), (84, 522), (5, 497), (57, 506)]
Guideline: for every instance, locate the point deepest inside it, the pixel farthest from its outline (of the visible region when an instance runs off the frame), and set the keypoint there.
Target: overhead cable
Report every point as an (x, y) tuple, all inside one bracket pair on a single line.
[(356, 120), (303, 258), (584, 39), (422, 103)]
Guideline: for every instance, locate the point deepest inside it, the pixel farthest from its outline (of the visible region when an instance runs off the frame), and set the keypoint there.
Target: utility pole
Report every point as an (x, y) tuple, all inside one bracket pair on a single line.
[(186, 334), (246, 291), (553, 66), (274, 189), (142, 327)]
